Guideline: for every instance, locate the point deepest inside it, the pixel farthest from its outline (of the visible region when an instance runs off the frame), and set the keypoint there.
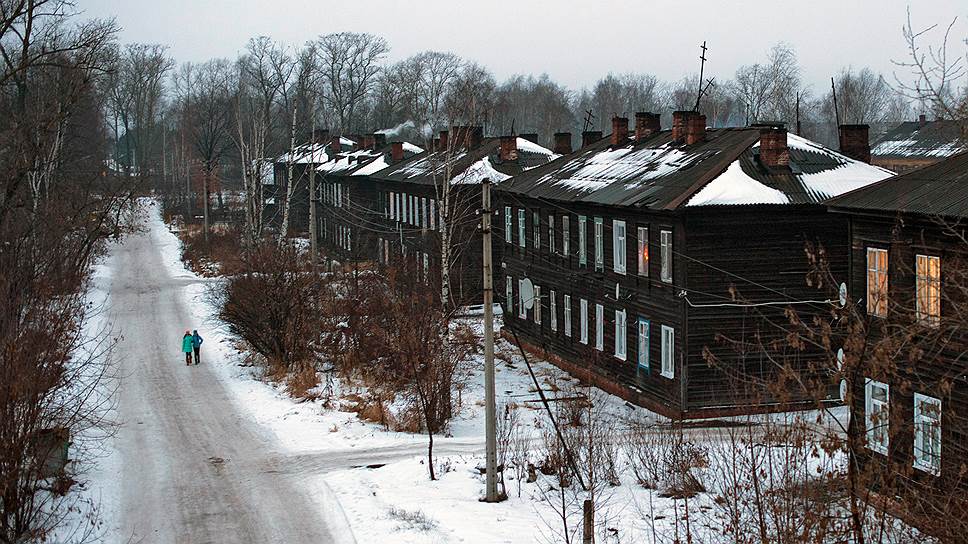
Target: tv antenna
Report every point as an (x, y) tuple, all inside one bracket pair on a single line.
[(703, 86), (588, 120)]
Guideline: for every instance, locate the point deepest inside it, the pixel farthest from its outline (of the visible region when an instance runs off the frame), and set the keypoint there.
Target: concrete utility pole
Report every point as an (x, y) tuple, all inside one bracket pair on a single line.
[(489, 407)]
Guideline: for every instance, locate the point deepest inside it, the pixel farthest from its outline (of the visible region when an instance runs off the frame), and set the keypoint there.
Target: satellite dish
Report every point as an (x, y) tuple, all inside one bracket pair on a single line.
[(843, 295), (527, 293), (617, 291), (840, 359), (843, 390)]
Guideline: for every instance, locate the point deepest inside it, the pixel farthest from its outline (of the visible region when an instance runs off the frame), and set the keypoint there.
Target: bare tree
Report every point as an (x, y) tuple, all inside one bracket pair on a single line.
[(935, 76), (349, 63)]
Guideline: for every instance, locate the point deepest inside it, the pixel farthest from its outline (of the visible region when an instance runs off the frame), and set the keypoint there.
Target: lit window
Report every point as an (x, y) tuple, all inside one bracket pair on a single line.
[(668, 352), (551, 234), (566, 315), (599, 250), (599, 327), (621, 349), (927, 433), (665, 254), (643, 343), (536, 228), (877, 281), (929, 289), (507, 224), (618, 246), (537, 304), (582, 238), (583, 317), (565, 236), (553, 310), (643, 253), (877, 412), (521, 228)]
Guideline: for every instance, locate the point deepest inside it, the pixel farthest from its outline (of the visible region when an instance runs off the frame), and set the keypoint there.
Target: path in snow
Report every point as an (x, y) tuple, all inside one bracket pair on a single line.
[(193, 467)]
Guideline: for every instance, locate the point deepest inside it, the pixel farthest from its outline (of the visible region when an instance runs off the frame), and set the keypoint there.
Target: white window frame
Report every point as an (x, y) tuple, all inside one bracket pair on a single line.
[(566, 314), (928, 289), (551, 234), (923, 425), (883, 408), (565, 235), (665, 255), (642, 251), (522, 309), (537, 304), (668, 352), (583, 322), (393, 205), (522, 228), (433, 214), (619, 234), (582, 240), (553, 310), (643, 328), (509, 294), (416, 218), (423, 205), (508, 224), (536, 218), (621, 331), (877, 295), (599, 327), (599, 244)]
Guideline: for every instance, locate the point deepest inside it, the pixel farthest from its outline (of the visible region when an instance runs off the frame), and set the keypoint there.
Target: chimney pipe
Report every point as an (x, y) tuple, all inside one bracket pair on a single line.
[(922, 120), (368, 141), (774, 151), (443, 141), (334, 145), (562, 143), (695, 128), (396, 151), (855, 142), (620, 130), (646, 125), (590, 136), (509, 148)]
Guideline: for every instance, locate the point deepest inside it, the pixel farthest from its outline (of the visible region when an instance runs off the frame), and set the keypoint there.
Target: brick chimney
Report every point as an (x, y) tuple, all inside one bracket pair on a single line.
[(396, 151), (646, 124), (562, 143), (443, 141), (774, 151), (379, 140), (854, 142), (590, 136), (620, 130), (334, 145), (695, 128), (368, 141), (509, 148), (922, 120)]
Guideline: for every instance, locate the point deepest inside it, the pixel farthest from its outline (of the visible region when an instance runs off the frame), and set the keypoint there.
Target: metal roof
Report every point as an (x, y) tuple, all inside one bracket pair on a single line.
[(940, 189), (913, 140)]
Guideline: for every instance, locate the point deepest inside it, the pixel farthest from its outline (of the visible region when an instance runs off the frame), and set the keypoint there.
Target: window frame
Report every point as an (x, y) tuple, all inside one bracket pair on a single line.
[(621, 332), (619, 250), (509, 293), (870, 429), (920, 419), (508, 225), (553, 310), (583, 317), (642, 357), (551, 233), (599, 327), (642, 259), (536, 229), (668, 352), (522, 228), (877, 307), (566, 314), (565, 235), (666, 273), (522, 308), (582, 240), (537, 305), (929, 283), (599, 244)]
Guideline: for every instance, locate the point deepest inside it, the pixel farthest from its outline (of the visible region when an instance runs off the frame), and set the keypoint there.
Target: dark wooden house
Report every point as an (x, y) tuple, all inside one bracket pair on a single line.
[(909, 276), (645, 249), (914, 144)]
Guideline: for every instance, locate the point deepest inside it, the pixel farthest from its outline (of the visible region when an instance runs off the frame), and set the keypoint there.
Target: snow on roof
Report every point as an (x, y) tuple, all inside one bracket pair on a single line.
[(735, 187), (304, 154), (346, 161), (478, 172), (913, 139), (410, 148), (264, 170), (530, 147), (373, 166), (625, 163)]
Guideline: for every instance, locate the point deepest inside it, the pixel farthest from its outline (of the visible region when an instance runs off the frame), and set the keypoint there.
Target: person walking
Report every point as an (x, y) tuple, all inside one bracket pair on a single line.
[(187, 347), (196, 343)]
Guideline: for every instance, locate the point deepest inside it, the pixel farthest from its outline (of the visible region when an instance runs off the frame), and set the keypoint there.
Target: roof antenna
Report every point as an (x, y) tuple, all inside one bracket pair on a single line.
[(833, 89), (588, 120), (702, 68)]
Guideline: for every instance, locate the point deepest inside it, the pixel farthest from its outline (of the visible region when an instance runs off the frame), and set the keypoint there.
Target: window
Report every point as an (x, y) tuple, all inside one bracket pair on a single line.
[(665, 255), (643, 253), (927, 433), (537, 304), (566, 316), (433, 214), (583, 317), (928, 289), (668, 352), (877, 412), (551, 234), (643, 343), (877, 281), (599, 250), (509, 295), (599, 327), (618, 246), (621, 350), (507, 224), (393, 205), (416, 211), (536, 228), (405, 218), (521, 228), (553, 310), (426, 267), (565, 236), (582, 236), (423, 205), (399, 210), (522, 309)]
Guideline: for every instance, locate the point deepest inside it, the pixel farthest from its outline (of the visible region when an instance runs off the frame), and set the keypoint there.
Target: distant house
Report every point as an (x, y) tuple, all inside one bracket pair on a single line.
[(908, 272), (914, 144), (643, 250), (408, 195)]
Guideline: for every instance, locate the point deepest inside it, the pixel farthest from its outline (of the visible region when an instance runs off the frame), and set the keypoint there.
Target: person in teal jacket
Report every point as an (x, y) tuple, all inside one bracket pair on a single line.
[(187, 347), (196, 343)]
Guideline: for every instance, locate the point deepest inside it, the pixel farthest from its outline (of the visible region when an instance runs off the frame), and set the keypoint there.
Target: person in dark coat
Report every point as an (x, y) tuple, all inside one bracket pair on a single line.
[(196, 344), (187, 347)]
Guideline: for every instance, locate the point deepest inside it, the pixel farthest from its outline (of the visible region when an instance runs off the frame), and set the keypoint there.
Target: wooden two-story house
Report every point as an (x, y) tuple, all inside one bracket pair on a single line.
[(653, 256), (909, 278)]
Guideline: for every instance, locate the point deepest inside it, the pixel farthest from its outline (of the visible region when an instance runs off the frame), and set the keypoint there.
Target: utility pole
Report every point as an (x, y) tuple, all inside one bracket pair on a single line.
[(489, 405), (313, 255)]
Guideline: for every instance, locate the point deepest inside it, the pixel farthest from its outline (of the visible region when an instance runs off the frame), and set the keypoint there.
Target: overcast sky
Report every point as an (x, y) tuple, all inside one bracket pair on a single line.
[(574, 41)]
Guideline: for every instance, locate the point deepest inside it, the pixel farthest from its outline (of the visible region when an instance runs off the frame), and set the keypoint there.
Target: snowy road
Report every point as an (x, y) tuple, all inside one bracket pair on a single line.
[(193, 467)]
